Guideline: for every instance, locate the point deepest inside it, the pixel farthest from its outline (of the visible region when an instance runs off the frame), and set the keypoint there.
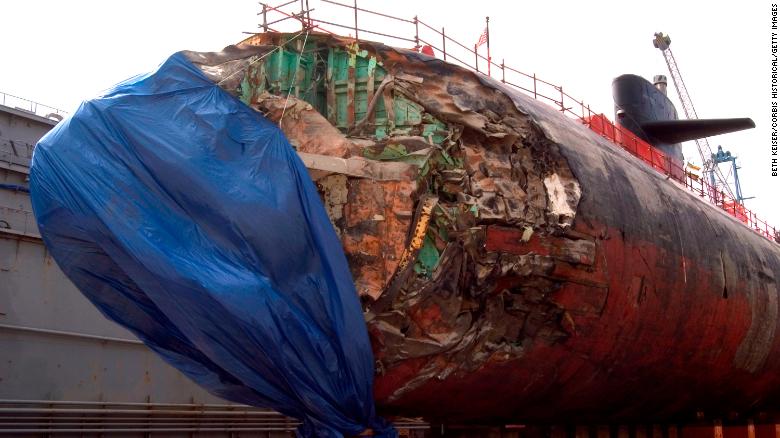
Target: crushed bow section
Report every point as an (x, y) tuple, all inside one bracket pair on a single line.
[(453, 207)]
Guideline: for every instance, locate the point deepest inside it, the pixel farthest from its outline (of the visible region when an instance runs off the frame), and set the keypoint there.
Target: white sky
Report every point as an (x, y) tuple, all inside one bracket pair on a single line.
[(62, 52)]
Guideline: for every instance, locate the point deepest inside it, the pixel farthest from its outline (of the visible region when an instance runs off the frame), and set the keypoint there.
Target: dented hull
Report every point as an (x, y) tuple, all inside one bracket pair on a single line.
[(513, 265)]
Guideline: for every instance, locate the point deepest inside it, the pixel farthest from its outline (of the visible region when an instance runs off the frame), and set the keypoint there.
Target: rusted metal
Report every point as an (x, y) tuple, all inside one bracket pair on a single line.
[(419, 229), (324, 165), (370, 109)]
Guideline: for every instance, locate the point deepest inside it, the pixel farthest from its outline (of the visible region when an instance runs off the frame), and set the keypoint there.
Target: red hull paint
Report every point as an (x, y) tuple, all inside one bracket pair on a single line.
[(662, 342), (677, 315)]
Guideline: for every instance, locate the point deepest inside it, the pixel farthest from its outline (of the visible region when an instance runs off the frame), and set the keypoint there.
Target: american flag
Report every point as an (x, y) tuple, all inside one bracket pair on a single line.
[(483, 38)]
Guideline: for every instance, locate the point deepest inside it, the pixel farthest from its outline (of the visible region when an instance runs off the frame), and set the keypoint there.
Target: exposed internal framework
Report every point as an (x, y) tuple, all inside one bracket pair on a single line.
[(453, 208)]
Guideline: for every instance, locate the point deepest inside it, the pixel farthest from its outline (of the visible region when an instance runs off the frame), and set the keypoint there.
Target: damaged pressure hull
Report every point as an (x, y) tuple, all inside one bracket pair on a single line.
[(513, 265)]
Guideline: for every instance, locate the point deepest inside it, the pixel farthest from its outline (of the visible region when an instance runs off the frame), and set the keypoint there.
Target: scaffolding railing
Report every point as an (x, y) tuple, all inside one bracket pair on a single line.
[(30, 106), (418, 34), (693, 182)]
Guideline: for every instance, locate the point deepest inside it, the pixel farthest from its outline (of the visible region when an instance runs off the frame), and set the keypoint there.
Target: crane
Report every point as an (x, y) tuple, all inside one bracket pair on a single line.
[(710, 164)]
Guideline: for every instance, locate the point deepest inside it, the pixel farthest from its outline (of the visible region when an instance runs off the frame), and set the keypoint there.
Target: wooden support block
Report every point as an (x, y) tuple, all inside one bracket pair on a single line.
[(766, 431), (558, 432), (718, 429), (697, 432), (658, 432), (582, 432)]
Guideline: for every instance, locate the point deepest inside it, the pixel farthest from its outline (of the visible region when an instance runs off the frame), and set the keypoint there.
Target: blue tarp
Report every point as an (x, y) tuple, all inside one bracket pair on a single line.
[(188, 218)]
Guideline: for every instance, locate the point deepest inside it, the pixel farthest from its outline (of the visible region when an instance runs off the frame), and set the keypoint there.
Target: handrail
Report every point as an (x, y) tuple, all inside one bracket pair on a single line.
[(368, 11), (30, 106), (544, 91)]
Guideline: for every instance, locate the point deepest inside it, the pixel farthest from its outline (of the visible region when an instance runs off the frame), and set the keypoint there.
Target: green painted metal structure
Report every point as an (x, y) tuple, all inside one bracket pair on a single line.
[(340, 84)]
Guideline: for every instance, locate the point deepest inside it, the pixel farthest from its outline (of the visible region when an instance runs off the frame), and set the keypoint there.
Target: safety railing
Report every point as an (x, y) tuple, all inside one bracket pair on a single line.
[(32, 107), (661, 163), (419, 35)]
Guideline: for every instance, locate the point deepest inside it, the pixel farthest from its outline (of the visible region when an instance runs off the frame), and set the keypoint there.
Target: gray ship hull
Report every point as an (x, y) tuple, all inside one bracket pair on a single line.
[(64, 368)]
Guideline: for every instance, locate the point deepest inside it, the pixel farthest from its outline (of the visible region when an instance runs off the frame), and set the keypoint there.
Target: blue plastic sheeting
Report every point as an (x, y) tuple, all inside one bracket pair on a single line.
[(188, 218)]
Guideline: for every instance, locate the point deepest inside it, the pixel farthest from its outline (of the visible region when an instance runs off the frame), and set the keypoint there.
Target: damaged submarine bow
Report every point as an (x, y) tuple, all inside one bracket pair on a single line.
[(512, 265)]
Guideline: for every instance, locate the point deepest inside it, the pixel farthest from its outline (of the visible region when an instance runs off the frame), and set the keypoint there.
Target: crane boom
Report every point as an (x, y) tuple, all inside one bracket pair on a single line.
[(662, 42)]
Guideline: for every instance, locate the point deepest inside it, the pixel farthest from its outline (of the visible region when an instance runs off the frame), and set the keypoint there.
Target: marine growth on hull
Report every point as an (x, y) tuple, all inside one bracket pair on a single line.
[(454, 210)]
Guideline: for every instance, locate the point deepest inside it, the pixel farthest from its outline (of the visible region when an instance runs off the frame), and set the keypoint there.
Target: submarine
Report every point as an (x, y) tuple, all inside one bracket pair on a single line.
[(645, 110), (556, 275), (512, 265)]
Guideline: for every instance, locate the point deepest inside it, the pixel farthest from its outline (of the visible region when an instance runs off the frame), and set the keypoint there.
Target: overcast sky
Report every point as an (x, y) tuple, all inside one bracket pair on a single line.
[(60, 53)]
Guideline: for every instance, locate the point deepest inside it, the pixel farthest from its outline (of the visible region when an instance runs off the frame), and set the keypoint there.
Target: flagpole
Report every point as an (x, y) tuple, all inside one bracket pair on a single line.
[(487, 30)]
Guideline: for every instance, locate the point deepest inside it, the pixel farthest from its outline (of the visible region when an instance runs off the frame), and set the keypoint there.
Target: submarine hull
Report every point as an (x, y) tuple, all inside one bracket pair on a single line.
[(512, 265), (677, 317), (583, 285)]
